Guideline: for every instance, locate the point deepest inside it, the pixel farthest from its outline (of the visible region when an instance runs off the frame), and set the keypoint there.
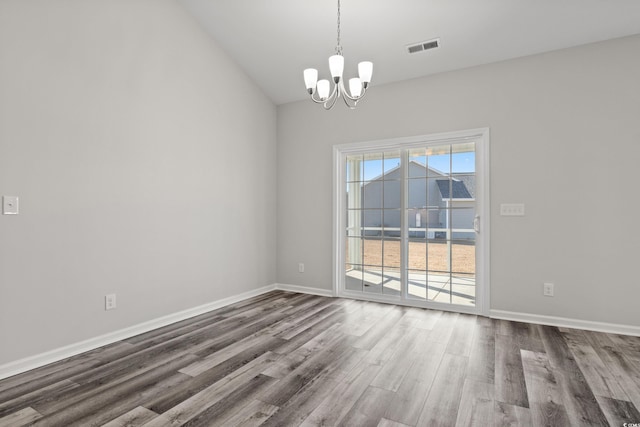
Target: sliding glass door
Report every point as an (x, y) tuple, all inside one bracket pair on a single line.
[(409, 221)]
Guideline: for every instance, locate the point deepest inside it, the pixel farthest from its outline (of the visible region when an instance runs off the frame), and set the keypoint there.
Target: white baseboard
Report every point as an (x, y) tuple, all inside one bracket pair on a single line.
[(32, 362), (304, 290), (563, 322)]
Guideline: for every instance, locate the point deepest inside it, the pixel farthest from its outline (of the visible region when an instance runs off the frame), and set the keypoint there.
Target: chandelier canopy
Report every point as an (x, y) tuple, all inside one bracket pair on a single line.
[(321, 92)]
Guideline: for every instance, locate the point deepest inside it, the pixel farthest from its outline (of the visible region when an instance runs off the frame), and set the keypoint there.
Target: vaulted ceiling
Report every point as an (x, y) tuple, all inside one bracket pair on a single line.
[(274, 40)]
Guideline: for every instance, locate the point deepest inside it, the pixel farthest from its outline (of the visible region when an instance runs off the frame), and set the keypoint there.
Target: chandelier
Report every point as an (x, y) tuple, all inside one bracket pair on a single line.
[(320, 90)]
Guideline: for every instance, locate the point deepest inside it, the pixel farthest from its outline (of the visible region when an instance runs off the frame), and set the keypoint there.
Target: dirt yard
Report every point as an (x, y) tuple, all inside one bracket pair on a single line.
[(463, 255)]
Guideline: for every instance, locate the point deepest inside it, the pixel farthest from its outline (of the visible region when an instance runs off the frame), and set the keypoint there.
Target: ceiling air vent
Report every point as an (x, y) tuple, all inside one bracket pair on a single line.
[(426, 45)]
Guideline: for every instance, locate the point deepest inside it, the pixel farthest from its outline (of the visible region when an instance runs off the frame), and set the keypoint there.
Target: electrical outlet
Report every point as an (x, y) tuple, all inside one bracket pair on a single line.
[(110, 302), (300, 267), (547, 289), (9, 205)]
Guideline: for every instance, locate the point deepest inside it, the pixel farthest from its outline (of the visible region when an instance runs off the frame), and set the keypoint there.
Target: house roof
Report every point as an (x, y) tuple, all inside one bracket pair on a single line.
[(469, 182), (458, 187)]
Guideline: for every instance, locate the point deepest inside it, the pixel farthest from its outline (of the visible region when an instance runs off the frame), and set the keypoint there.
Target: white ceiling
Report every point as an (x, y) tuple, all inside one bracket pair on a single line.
[(274, 40)]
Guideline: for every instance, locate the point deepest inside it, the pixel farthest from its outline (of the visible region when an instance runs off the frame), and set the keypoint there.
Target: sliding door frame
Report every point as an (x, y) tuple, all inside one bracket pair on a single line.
[(481, 138)]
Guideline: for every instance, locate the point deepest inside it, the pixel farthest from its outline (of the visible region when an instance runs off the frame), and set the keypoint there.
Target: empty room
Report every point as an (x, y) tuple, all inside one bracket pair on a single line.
[(319, 213)]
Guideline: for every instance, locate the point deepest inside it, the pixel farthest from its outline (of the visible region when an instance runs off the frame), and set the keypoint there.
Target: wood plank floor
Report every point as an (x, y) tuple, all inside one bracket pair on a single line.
[(286, 359)]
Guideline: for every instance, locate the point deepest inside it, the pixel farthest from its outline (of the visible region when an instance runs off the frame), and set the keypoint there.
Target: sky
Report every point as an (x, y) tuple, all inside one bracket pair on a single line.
[(460, 162)]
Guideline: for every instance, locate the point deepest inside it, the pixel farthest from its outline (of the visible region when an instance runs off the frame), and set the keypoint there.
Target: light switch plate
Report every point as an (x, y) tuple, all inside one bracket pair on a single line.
[(9, 205), (512, 209)]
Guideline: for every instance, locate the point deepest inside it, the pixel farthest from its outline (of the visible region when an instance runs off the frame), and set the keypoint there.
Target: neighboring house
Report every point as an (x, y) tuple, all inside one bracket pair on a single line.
[(433, 196)]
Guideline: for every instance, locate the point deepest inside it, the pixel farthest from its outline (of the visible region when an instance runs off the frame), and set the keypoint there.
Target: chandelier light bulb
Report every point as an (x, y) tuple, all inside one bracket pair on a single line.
[(336, 66), (355, 87), (323, 89), (310, 79), (365, 71)]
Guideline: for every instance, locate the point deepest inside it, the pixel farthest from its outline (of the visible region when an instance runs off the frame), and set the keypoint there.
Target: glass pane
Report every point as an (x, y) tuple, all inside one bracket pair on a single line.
[(439, 160), (372, 166), (463, 158), (417, 163), (464, 186), (462, 222), (391, 222), (417, 259), (468, 236), (353, 277), (372, 279), (438, 189), (391, 283), (391, 253), (417, 223), (372, 194), (392, 165), (372, 251), (353, 250), (372, 222), (435, 223), (463, 289), (438, 256), (439, 287), (417, 193), (392, 192), (417, 284), (463, 257)]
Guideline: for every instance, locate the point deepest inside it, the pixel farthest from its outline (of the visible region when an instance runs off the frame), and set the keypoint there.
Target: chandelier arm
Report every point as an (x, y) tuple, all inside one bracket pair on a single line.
[(317, 101), (345, 96), (331, 100), (351, 107), (336, 90)]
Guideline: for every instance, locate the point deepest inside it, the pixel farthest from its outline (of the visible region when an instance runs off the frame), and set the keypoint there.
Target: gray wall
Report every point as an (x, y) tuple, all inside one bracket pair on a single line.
[(140, 152), (564, 131)]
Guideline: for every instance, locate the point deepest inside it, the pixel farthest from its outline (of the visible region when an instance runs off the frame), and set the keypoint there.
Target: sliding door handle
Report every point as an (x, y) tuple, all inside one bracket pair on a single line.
[(476, 223)]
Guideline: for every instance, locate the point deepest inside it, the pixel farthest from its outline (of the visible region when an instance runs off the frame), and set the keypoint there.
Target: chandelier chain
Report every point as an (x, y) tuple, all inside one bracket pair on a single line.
[(338, 46)]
